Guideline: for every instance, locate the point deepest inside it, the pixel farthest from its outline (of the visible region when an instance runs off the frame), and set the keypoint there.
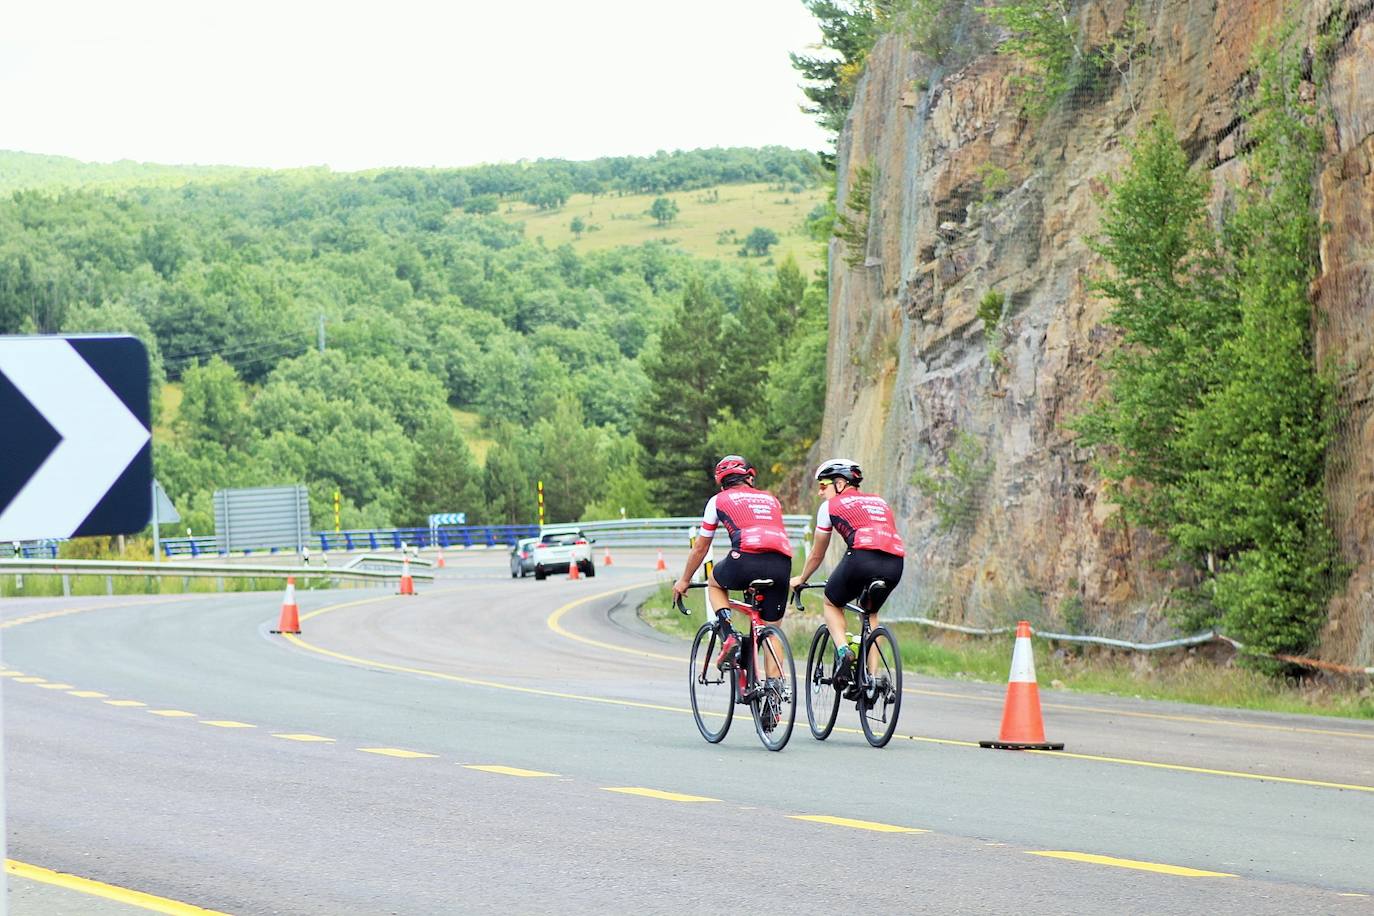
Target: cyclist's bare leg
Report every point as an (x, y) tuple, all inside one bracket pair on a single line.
[(874, 656), (834, 622), (718, 598)]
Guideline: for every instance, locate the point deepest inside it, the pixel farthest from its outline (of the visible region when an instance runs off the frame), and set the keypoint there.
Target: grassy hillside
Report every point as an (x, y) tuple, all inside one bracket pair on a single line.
[(711, 223), (22, 171)]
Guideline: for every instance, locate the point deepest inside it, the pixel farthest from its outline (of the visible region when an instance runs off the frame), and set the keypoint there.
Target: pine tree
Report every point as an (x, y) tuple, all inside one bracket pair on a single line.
[(676, 416)]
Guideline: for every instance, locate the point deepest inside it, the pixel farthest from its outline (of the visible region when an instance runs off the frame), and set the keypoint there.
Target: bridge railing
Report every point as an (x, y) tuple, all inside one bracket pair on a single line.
[(633, 532)]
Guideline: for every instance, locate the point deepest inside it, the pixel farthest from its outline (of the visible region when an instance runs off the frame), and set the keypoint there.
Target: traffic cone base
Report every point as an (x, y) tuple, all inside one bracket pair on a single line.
[(290, 620), (1023, 729)]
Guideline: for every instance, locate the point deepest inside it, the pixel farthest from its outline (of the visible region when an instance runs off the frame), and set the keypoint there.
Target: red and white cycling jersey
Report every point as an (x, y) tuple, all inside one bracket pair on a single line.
[(864, 521), (753, 519)]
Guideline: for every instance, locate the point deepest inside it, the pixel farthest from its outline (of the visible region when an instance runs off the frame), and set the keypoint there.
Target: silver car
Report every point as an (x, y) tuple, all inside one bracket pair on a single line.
[(522, 558), (558, 549)]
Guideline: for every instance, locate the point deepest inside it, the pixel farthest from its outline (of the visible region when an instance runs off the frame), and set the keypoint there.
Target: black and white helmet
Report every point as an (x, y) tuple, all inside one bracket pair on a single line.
[(840, 467)]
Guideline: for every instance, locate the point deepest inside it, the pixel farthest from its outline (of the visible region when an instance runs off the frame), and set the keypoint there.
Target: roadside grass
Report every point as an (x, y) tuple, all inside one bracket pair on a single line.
[(1180, 676), (50, 586), (711, 222)]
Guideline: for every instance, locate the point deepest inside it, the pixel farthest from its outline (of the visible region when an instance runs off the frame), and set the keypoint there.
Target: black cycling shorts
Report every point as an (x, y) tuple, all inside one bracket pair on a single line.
[(856, 570), (738, 569)]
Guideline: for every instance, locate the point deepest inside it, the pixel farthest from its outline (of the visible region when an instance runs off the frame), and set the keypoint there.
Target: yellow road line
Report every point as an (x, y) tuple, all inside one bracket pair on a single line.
[(857, 825), (87, 693), (1160, 868), (394, 752), (555, 619), (557, 616), (655, 793), (11, 674), (107, 891), (505, 771), (49, 615), (30, 680), (226, 723), (173, 713), (1164, 717), (124, 703), (303, 737), (55, 686), (1234, 774)]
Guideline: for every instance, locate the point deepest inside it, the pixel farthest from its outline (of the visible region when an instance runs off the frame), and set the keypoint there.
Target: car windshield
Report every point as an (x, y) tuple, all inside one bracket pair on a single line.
[(560, 540)]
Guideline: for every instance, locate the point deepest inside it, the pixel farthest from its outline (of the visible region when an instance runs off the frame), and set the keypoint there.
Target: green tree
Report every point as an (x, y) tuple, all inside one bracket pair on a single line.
[(511, 495), (1174, 311), (482, 204), (760, 240), (624, 487), (213, 407), (577, 226), (445, 477), (1044, 34), (676, 415), (663, 210)]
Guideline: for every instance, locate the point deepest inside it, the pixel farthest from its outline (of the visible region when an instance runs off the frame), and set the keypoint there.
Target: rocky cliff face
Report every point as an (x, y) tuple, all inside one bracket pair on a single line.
[(970, 196)]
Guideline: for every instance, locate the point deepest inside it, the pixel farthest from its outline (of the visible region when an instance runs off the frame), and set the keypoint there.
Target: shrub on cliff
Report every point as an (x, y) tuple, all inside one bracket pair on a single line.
[(1218, 420)]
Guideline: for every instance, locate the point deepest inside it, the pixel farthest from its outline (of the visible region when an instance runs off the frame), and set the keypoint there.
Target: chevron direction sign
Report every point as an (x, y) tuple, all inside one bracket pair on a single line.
[(75, 447)]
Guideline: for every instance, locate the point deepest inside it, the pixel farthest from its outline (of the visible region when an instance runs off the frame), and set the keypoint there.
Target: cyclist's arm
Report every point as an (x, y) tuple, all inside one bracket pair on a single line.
[(699, 549), (814, 558)]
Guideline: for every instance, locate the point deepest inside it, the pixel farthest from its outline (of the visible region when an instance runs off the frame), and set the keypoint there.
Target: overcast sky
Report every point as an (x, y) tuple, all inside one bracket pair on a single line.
[(279, 83)]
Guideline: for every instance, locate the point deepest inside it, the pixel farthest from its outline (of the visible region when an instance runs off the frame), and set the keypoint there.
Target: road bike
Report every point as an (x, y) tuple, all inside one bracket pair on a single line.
[(875, 684), (719, 680)]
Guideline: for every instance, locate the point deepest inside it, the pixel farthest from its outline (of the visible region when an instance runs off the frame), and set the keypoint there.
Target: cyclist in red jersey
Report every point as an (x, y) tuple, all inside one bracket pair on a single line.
[(875, 550), (759, 546)]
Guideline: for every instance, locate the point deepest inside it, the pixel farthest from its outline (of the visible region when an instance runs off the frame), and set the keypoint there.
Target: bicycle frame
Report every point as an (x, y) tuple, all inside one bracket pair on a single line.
[(749, 661), (861, 672)]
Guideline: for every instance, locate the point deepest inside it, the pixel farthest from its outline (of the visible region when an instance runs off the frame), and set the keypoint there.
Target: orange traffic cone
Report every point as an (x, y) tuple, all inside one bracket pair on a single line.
[(606, 560), (290, 620), (440, 562), (407, 583), (660, 565), (1022, 727), (573, 572)]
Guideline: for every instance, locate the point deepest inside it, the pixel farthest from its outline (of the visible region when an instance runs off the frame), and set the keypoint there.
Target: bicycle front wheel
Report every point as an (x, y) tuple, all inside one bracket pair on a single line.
[(822, 699), (775, 697), (880, 697), (712, 690)]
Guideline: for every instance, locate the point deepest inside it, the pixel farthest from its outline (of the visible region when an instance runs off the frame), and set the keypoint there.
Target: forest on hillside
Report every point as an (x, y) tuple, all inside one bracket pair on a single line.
[(323, 328)]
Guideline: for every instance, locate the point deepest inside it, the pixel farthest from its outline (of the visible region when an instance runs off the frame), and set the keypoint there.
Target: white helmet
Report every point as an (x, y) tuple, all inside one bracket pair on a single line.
[(847, 468)]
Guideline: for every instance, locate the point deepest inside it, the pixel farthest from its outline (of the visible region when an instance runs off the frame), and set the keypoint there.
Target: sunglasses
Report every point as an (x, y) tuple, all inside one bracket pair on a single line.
[(826, 483)]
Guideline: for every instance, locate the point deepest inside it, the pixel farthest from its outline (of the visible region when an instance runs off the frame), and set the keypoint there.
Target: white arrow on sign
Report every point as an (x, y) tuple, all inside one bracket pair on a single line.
[(99, 436)]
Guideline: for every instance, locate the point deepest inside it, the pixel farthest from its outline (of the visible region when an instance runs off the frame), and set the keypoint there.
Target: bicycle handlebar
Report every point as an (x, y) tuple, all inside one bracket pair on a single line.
[(681, 605), (796, 592)]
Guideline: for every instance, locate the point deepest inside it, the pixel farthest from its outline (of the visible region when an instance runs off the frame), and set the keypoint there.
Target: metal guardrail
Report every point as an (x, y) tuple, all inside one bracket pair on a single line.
[(1182, 642), (634, 532), (221, 571)]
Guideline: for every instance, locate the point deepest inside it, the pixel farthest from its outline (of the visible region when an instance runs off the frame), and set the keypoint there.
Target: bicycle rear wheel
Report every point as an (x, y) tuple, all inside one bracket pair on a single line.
[(775, 701), (880, 700), (712, 690), (822, 699)]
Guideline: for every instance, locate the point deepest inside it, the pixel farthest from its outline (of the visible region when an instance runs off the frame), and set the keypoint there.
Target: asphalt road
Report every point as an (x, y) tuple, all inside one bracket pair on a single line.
[(494, 745)]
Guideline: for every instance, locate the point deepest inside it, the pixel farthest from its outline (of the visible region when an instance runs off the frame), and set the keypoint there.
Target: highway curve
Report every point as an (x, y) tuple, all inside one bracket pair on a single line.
[(521, 746)]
